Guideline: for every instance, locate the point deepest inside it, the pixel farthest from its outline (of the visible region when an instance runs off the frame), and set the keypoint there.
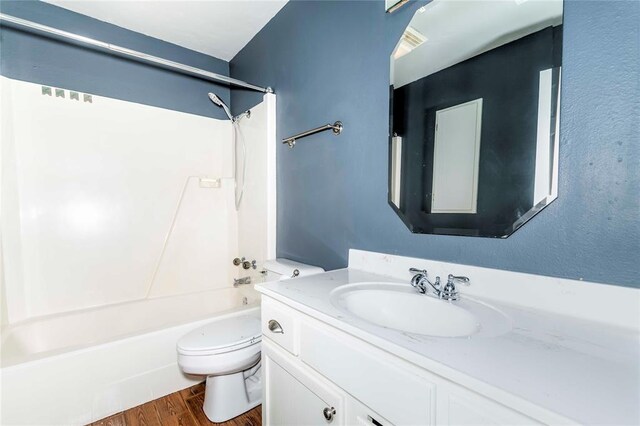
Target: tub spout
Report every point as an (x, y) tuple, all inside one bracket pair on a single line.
[(241, 281)]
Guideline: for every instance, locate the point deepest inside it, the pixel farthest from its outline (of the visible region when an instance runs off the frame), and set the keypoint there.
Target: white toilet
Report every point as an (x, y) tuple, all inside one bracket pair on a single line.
[(228, 353)]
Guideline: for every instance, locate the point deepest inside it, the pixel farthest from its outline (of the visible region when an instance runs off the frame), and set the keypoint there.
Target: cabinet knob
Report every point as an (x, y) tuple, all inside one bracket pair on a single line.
[(275, 327), (328, 413)]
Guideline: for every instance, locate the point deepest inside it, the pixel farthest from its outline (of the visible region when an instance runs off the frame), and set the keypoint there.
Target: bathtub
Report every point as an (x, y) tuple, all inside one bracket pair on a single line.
[(79, 367)]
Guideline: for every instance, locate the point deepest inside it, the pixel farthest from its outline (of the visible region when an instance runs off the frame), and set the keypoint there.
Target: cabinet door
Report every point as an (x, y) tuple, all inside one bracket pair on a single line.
[(295, 396)]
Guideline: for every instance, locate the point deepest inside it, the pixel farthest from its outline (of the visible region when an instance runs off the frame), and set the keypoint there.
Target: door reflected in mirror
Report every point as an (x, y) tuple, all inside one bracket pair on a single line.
[(475, 100)]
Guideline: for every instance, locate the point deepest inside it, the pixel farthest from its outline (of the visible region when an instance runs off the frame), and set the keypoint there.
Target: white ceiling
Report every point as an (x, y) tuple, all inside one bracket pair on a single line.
[(217, 28), (457, 30)]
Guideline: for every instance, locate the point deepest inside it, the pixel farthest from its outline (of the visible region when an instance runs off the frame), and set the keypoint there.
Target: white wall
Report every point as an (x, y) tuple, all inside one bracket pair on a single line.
[(89, 194)]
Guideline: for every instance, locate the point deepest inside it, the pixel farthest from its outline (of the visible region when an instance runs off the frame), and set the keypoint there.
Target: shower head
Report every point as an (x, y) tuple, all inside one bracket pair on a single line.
[(216, 100)]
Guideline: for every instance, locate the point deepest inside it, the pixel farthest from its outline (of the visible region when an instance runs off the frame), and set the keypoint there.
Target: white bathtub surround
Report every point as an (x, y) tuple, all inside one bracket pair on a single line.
[(96, 188), (570, 356), (110, 201)]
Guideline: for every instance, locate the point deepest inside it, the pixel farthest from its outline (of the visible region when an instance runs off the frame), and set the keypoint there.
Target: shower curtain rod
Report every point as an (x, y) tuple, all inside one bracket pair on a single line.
[(129, 53)]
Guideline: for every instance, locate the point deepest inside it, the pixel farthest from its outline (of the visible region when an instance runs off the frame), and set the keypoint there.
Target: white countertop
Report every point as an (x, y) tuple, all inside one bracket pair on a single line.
[(582, 370)]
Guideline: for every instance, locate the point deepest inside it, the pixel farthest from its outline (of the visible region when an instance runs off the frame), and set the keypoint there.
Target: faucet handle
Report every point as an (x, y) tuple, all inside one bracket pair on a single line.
[(458, 279), (418, 271), (417, 282)]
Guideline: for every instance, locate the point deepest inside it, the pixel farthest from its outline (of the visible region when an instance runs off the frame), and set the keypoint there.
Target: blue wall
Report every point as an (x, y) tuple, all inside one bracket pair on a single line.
[(42, 60), (330, 60)]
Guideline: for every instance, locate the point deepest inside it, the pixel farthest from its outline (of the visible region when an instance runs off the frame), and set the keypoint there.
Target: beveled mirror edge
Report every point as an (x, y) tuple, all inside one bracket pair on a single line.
[(393, 5)]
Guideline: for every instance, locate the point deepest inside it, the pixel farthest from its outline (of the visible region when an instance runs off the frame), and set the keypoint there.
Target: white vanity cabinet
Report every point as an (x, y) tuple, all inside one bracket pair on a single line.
[(296, 396), (316, 374)]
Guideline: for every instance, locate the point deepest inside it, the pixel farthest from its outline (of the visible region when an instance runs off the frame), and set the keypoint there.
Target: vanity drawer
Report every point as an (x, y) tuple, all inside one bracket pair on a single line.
[(280, 324), (396, 390)]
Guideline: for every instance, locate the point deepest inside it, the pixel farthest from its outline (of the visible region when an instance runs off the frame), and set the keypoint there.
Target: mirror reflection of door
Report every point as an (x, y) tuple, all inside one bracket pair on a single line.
[(456, 158)]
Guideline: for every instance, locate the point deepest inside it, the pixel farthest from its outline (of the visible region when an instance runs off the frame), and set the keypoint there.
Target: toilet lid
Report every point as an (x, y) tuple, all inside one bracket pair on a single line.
[(222, 336)]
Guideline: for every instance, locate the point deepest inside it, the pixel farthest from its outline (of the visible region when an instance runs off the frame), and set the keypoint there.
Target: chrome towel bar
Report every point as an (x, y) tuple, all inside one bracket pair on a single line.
[(336, 127)]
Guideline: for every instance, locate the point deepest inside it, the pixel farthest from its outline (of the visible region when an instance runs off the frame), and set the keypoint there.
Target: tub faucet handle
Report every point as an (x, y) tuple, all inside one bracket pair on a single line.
[(248, 265)]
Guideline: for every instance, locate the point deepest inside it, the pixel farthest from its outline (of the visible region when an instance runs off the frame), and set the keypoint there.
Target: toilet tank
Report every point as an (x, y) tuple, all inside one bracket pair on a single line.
[(284, 269)]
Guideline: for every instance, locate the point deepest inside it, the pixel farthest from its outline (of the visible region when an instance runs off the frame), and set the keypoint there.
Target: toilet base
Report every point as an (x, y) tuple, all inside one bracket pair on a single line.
[(228, 396)]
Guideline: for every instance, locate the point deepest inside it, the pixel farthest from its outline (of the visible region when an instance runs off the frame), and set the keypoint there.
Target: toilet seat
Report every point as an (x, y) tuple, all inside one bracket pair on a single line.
[(223, 336)]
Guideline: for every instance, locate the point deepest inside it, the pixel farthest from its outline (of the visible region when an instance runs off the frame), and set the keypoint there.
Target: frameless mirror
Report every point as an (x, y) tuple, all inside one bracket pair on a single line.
[(474, 116)]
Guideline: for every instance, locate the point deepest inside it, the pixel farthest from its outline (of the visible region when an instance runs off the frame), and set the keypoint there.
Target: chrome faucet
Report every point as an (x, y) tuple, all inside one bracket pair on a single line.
[(419, 280), (241, 281), (448, 291)]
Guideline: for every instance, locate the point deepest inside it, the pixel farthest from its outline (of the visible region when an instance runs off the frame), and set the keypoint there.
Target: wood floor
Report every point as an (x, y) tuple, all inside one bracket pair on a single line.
[(182, 408)]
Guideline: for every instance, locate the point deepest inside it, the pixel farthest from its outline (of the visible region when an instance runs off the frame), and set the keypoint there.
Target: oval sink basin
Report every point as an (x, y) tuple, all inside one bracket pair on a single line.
[(400, 307)]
